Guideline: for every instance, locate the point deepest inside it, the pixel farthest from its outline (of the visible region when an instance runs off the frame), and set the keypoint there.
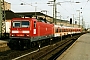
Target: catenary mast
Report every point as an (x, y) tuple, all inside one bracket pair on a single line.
[(2, 18)]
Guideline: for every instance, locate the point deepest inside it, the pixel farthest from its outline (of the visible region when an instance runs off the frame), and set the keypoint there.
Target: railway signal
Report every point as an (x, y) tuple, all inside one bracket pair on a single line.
[(70, 20)]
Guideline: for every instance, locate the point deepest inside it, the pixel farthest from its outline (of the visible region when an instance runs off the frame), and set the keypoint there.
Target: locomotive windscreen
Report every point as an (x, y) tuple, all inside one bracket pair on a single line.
[(20, 23)]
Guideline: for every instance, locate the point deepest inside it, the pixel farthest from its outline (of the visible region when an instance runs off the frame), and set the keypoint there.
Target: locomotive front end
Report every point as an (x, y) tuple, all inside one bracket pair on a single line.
[(20, 28), (20, 33)]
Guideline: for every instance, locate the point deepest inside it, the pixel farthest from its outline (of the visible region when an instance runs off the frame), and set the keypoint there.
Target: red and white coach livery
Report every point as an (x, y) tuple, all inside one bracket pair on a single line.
[(65, 30)]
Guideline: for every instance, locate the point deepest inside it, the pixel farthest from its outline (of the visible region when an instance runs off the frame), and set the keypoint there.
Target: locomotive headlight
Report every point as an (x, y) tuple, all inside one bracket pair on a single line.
[(27, 35), (12, 35)]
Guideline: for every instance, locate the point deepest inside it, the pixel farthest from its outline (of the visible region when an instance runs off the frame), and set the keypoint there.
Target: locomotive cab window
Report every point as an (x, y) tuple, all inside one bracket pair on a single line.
[(25, 23), (16, 24), (20, 23)]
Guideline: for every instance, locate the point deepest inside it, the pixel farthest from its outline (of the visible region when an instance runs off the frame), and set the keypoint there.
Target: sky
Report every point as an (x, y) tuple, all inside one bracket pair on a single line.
[(66, 8)]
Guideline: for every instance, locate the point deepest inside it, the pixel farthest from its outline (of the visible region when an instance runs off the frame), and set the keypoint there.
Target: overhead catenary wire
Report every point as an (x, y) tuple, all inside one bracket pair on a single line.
[(85, 4), (34, 6), (40, 8), (31, 4), (72, 7)]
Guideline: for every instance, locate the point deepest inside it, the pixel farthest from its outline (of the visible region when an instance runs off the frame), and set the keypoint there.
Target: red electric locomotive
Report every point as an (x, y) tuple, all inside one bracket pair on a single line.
[(25, 31)]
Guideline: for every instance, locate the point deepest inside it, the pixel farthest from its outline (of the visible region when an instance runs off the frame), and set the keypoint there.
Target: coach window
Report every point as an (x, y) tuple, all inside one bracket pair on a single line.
[(60, 30), (34, 24), (64, 30), (56, 30)]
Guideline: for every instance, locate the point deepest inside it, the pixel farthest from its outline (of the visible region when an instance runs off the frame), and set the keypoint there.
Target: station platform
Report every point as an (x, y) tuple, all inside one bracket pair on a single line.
[(80, 50), (3, 46)]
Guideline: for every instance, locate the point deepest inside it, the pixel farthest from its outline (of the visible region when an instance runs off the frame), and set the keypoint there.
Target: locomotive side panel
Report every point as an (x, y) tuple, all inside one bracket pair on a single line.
[(43, 31)]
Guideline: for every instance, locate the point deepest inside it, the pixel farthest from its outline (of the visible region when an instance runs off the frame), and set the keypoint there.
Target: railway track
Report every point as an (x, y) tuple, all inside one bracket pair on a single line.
[(62, 49), (44, 53), (48, 52), (59, 47), (10, 54)]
